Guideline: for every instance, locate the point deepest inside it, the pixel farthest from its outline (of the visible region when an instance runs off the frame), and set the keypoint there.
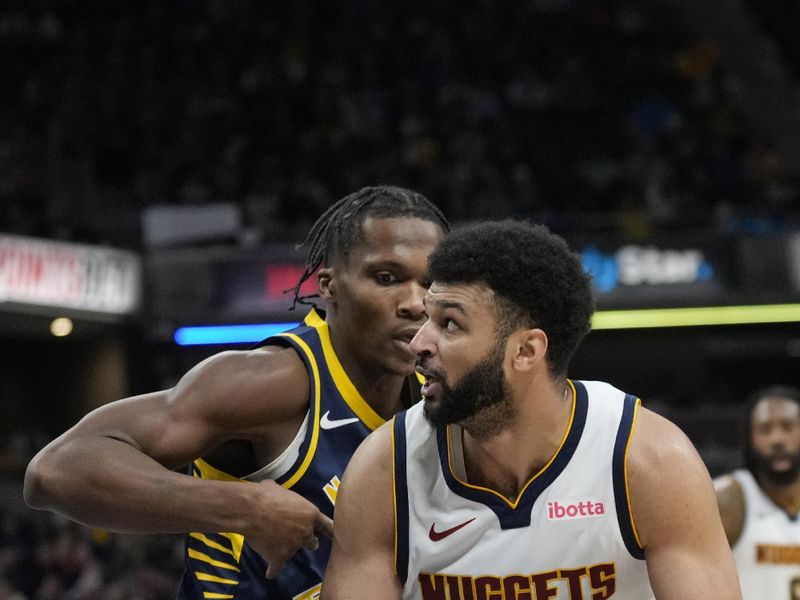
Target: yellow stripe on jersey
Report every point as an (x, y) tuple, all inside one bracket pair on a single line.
[(346, 388), (216, 595), (212, 544), (311, 594), (207, 559), (516, 502), (237, 542), (213, 578), (625, 471), (209, 472), (312, 447)]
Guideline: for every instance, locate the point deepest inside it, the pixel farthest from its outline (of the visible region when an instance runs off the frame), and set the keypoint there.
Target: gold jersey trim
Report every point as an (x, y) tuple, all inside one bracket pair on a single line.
[(207, 559), (521, 493), (346, 388), (625, 471), (312, 447), (214, 578)]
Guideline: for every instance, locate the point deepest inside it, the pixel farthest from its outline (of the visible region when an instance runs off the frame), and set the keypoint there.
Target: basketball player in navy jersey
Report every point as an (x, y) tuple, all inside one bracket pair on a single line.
[(511, 480), (267, 431), (760, 504)]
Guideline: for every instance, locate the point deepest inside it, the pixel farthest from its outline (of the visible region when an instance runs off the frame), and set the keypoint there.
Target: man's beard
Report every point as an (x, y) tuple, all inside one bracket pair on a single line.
[(762, 467), (480, 402)]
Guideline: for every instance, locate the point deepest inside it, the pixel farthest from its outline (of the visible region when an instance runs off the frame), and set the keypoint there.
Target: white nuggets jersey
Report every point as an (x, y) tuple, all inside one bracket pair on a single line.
[(767, 553), (568, 536)]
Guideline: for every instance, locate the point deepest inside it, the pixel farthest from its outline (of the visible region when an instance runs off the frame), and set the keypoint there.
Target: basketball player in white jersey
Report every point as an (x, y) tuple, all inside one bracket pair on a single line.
[(512, 481), (760, 504)]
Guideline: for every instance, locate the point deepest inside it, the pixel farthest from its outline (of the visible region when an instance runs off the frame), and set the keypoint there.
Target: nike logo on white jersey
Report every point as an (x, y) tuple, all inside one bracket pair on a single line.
[(437, 536), (326, 423)]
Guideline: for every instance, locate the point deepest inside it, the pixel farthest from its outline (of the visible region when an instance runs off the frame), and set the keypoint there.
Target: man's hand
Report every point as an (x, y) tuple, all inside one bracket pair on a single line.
[(286, 523)]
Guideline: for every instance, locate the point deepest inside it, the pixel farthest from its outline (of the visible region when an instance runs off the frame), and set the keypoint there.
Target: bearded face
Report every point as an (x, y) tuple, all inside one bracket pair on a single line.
[(779, 467), (774, 451), (483, 389)]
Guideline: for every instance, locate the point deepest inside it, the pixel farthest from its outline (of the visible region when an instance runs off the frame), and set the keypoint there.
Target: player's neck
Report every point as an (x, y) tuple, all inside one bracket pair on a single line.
[(787, 497), (384, 394), (380, 388), (507, 460)]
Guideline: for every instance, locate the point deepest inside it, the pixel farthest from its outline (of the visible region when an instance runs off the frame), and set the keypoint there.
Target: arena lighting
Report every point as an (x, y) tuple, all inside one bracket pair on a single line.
[(228, 334), (696, 316), (61, 327), (603, 319)]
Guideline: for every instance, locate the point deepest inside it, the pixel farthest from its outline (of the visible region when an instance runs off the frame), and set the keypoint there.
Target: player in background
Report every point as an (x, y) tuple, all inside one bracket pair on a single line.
[(760, 503)]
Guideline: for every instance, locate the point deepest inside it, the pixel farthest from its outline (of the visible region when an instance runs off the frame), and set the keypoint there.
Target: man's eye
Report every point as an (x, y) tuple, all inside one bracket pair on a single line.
[(385, 278), (450, 325)]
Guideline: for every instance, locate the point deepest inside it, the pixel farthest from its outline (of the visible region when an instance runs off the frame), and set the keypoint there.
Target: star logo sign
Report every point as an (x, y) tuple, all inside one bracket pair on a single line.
[(440, 535)]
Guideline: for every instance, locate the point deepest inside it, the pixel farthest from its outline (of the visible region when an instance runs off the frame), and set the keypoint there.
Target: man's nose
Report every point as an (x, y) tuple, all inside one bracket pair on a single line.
[(412, 306), (422, 343)]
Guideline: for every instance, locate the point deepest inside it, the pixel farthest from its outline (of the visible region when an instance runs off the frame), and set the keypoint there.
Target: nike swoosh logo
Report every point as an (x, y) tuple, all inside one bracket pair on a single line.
[(327, 423), (440, 535)]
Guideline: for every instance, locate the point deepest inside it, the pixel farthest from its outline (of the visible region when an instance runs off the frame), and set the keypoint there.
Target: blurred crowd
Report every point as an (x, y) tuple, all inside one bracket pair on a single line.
[(585, 113), (780, 20), (45, 557)]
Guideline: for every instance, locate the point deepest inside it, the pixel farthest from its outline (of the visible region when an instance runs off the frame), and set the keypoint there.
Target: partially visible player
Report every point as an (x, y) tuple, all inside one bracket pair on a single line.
[(275, 426), (511, 480), (760, 504)]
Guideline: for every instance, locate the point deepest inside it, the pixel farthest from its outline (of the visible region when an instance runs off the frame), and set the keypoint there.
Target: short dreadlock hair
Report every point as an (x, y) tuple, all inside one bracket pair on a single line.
[(340, 227), (537, 279)]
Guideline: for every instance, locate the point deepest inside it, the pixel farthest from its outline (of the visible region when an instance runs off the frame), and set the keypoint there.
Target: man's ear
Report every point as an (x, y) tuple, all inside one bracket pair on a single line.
[(326, 284), (529, 349)]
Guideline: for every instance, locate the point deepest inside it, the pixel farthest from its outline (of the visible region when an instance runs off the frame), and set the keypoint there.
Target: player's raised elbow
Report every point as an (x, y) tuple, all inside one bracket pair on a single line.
[(43, 478), (35, 487)]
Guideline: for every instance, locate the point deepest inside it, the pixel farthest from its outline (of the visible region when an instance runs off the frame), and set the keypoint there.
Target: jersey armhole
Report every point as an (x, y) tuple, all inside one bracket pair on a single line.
[(619, 469), (308, 448), (400, 496)]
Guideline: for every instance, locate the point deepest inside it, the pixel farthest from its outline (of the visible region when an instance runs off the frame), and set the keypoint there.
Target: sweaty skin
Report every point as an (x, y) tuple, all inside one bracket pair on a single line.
[(115, 469)]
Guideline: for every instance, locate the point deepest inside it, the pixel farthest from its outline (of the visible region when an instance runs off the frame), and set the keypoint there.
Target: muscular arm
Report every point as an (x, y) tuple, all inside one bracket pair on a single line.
[(114, 468), (676, 516), (362, 560)]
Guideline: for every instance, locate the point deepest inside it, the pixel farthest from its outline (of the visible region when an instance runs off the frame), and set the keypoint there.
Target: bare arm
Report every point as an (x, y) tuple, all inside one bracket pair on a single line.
[(731, 507), (676, 516), (114, 468), (362, 559)]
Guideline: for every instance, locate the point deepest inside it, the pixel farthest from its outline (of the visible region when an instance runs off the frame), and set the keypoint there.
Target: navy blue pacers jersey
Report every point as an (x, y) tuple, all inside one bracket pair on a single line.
[(223, 565)]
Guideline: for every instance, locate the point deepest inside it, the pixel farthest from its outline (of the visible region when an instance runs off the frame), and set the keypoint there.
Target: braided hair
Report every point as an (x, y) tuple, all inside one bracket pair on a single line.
[(339, 228)]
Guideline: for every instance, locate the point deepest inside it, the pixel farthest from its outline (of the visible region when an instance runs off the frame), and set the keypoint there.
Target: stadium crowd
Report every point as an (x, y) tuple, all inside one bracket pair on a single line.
[(46, 557), (599, 113), (578, 113)]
